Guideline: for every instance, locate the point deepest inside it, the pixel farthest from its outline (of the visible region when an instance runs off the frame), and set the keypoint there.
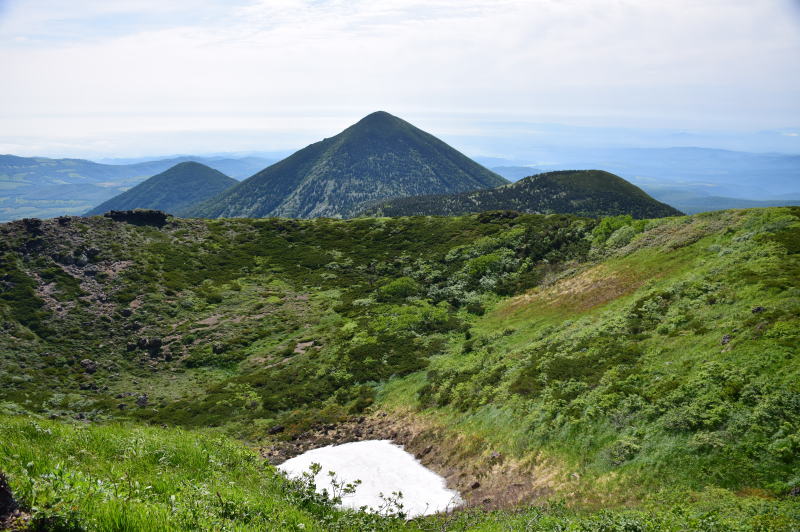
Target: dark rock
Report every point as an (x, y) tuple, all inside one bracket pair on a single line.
[(81, 261), (92, 253), (131, 346), (758, 310), (89, 366), (726, 339), (32, 225), (139, 217), (795, 492), (7, 502), (64, 259), (122, 406), (151, 344), (276, 429), (475, 485), (142, 400), (126, 312), (63, 220)]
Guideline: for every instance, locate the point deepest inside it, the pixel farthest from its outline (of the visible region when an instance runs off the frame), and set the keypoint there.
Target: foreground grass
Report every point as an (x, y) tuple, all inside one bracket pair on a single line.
[(128, 477)]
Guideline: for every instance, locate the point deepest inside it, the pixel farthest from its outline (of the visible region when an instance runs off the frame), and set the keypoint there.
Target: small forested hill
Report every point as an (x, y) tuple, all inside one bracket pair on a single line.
[(582, 192), (171, 191), (381, 156)]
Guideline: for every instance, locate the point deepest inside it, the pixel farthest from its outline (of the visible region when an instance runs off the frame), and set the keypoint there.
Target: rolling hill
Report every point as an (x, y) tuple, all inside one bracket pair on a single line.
[(172, 191), (582, 192), (381, 156)]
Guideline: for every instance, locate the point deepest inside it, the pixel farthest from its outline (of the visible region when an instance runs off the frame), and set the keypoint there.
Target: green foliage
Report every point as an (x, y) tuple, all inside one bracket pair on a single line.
[(639, 355), (18, 292), (583, 192), (399, 288)]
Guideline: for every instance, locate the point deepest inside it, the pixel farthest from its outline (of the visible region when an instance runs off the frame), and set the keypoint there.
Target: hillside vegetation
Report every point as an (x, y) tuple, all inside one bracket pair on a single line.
[(172, 191), (582, 192), (379, 157), (605, 363)]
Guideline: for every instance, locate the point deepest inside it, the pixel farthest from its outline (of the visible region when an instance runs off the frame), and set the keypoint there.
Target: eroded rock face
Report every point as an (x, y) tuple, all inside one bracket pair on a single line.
[(139, 217)]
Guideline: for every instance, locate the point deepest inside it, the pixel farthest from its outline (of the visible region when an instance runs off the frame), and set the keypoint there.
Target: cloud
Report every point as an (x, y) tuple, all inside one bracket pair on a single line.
[(93, 67)]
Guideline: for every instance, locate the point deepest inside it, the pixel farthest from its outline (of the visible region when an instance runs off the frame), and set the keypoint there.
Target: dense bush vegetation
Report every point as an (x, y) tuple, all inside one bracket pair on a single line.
[(657, 358)]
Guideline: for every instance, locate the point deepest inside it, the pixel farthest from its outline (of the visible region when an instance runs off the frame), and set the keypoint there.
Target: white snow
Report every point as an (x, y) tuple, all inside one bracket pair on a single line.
[(382, 467)]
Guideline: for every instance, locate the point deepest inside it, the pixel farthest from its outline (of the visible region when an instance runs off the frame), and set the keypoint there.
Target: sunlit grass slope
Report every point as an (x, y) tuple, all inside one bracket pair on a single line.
[(672, 362), (131, 478)]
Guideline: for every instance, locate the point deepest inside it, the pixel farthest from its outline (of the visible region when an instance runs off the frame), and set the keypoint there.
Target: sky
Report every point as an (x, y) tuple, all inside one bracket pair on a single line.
[(100, 78)]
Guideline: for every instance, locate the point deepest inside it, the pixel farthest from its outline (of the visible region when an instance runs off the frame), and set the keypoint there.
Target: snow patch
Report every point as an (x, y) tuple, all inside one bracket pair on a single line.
[(382, 467)]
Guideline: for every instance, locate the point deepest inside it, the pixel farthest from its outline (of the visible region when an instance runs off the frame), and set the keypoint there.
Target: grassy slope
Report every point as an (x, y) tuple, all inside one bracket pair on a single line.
[(127, 477), (621, 370), (612, 368)]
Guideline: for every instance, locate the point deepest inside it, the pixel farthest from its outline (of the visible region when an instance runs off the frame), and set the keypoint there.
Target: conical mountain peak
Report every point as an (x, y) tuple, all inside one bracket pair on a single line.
[(172, 191), (381, 156)]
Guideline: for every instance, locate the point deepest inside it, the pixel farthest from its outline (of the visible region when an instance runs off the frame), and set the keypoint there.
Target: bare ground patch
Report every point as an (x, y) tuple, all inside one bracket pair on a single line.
[(484, 477)]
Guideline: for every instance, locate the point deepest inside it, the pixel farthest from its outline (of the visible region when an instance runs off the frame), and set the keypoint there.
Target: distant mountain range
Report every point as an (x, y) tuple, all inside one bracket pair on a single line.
[(325, 179), (42, 187), (381, 156), (583, 192), (689, 178), (172, 191)]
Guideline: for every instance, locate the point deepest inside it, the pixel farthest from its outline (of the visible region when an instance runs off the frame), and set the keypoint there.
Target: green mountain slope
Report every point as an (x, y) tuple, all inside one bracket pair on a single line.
[(171, 191), (583, 192), (613, 363), (381, 156)]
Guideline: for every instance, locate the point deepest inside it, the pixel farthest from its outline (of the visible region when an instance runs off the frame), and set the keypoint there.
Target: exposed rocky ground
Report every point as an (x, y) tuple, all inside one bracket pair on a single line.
[(484, 478)]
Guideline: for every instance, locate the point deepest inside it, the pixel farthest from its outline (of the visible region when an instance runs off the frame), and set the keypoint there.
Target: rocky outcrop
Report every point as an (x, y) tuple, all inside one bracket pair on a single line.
[(89, 366), (139, 217)]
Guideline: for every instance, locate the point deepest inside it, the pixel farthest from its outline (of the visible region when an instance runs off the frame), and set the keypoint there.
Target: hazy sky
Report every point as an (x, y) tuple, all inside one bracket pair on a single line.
[(135, 77)]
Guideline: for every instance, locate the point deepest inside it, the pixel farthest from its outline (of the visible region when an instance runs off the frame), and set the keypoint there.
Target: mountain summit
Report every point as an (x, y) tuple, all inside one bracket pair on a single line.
[(171, 191), (379, 157)]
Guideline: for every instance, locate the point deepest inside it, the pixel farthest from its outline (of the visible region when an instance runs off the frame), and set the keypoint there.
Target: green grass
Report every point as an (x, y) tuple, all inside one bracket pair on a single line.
[(646, 357), (119, 477)]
